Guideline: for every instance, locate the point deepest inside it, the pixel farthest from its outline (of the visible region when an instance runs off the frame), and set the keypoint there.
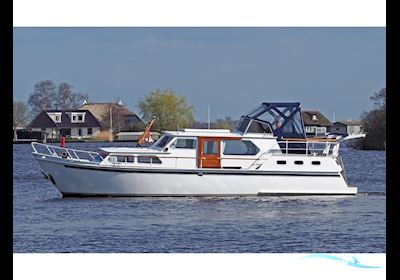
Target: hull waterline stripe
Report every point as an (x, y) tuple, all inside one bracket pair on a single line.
[(204, 172), (199, 195)]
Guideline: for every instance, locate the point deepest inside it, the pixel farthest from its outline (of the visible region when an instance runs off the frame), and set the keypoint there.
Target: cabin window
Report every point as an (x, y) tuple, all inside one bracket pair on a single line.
[(149, 159), (240, 147), (210, 148), (184, 144), (281, 162), (89, 131), (120, 159), (315, 162), (163, 141), (258, 127), (298, 162), (79, 131), (243, 125)]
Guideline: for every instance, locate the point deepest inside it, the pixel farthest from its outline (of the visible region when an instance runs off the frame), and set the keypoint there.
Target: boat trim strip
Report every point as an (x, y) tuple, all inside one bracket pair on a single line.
[(201, 172)]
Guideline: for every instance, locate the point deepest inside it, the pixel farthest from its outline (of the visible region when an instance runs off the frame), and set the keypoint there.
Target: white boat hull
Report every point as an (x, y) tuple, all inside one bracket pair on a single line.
[(80, 179)]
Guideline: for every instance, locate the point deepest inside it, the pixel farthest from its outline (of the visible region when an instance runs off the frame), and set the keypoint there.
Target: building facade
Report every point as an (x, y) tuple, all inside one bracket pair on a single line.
[(347, 127), (69, 123), (316, 124), (115, 116)]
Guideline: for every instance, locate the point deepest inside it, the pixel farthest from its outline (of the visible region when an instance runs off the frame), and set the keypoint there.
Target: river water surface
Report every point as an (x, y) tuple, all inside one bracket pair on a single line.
[(45, 222)]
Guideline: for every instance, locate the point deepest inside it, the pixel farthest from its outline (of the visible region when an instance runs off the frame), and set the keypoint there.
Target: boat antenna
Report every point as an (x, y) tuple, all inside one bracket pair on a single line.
[(111, 128), (209, 125)]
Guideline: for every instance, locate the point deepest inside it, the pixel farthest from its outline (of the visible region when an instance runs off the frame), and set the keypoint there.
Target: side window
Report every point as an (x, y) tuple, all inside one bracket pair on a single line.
[(240, 147), (121, 159), (243, 125), (210, 148), (258, 127), (163, 141), (149, 159), (184, 144)]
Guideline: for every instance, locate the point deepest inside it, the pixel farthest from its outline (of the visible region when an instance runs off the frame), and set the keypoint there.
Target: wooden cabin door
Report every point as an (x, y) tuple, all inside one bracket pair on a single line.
[(209, 152)]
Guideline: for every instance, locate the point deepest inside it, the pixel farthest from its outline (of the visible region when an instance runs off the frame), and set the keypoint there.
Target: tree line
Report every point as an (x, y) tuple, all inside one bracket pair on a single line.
[(46, 95), (374, 122), (171, 110)]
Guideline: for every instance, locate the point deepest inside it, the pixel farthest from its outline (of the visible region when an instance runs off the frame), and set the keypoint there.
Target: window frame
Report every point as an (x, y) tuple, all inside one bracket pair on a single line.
[(157, 143), (173, 143), (158, 160), (216, 147), (237, 154), (77, 117)]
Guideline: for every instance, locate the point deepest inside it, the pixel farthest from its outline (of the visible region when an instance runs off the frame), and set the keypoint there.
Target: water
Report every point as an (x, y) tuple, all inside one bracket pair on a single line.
[(45, 222)]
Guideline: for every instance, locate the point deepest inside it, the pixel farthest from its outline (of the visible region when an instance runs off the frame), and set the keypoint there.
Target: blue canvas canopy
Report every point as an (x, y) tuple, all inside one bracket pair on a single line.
[(283, 119)]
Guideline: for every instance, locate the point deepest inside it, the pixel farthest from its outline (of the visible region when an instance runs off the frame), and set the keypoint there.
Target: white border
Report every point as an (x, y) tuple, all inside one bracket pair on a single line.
[(194, 266), (199, 13), (153, 13)]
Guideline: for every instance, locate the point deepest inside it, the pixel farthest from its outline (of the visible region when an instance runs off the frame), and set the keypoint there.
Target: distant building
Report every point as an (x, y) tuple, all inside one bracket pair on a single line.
[(69, 123), (315, 123), (134, 136), (347, 127), (114, 116)]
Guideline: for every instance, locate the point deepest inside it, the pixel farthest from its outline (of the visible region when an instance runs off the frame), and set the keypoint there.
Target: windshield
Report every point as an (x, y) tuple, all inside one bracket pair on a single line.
[(163, 141)]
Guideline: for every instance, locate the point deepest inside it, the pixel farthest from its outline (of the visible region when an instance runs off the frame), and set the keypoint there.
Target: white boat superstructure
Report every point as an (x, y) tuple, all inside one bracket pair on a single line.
[(253, 160)]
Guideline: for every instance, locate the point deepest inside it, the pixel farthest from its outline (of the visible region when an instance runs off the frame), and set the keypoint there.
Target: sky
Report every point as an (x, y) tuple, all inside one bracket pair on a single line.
[(232, 70)]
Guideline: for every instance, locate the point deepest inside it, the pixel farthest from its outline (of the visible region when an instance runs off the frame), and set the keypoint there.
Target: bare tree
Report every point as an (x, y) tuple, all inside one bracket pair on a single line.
[(67, 99), (63, 96), (43, 96), (20, 115), (77, 99), (379, 99), (375, 123)]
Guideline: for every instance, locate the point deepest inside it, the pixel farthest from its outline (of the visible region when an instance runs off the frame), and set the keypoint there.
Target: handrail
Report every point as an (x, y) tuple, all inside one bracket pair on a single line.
[(284, 148), (326, 147), (257, 159), (312, 139), (49, 150)]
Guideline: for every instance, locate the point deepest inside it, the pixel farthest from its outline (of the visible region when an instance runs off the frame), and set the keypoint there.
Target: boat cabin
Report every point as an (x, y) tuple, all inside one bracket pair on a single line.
[(269, 129), (198, 148)]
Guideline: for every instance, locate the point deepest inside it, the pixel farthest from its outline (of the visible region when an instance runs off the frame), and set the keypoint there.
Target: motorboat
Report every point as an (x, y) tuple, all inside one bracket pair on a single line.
[(268, 153)]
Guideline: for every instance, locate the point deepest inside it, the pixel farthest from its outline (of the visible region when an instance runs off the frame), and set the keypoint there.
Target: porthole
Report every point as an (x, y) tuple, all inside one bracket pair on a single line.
[(298, 162), (316, 162), (281, 162)]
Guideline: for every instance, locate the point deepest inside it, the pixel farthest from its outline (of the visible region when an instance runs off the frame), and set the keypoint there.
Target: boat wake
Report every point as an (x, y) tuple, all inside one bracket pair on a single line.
[(371, 194)]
